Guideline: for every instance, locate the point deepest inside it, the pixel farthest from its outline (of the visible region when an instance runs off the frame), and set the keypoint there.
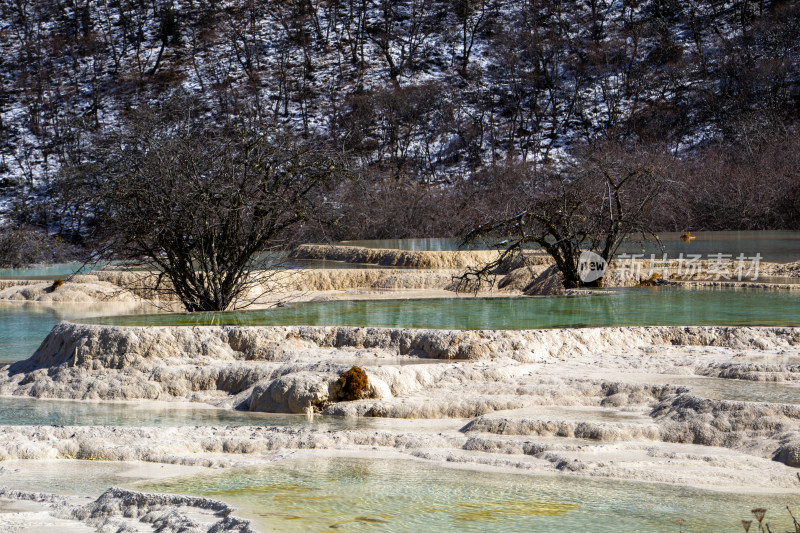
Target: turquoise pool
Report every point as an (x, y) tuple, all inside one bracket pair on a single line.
[(624, 307), (57, 270), (24, 325)]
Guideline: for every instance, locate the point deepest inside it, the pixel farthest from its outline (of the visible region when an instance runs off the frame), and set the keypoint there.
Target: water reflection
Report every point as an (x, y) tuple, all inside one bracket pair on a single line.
[(739, 390), (67, 477)]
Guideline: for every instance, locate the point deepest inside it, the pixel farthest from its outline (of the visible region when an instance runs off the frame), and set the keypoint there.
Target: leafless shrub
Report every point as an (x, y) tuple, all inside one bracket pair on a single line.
[(608, 195), (23, 246), (206, 210)]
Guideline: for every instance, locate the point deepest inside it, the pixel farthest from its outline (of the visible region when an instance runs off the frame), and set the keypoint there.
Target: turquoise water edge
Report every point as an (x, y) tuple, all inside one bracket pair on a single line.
[(626, 307)]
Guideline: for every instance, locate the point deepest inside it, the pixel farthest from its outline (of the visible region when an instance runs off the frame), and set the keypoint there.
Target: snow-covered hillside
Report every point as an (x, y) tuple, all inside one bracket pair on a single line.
[(423, 89)]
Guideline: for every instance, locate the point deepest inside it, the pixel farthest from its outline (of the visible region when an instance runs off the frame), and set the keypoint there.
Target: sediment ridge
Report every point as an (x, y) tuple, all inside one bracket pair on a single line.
[(563, 399), (120, 346), (431, 271), (126, 286), (398, 258)]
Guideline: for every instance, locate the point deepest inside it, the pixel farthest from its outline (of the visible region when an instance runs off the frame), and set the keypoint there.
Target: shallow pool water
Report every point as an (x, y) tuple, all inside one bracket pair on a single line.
[(24, 411), (741, 390), (627, 307), (390, 495), (67, 476), (22, 329), (323, 494), (53, 271), (23, 325), (775, 246)]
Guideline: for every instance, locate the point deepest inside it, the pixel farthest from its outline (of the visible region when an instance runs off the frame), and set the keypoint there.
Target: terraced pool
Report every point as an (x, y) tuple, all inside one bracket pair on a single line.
[(625, 307), (774, 246), (322, 494), (23, 325), (18, 411)]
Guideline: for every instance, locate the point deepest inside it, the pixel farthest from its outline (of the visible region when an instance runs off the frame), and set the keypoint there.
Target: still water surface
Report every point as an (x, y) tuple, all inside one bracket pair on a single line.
[(774, 246), (372, 495), (24, 325), (24, 411), (324, 494), (625, 307)]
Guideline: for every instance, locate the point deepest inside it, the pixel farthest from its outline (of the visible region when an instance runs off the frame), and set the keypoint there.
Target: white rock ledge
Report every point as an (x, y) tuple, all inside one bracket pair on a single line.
[(120, 347), (609, 402), (293, 368), (126, 510)]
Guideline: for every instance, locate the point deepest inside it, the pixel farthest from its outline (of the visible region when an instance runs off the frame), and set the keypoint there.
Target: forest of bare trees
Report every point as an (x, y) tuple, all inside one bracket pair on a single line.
[(446, 106)]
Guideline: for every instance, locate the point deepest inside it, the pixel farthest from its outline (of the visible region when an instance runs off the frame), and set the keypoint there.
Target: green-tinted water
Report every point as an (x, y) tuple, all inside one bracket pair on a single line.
[(389, 495), (22, 329), (627, 307), (57, 270), (775, 246)]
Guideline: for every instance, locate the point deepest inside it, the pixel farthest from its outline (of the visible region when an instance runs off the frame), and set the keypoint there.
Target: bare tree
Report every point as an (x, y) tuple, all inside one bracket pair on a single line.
[(204, 206), (604, 197), (400, 33), (22, 246), (472, 16)]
